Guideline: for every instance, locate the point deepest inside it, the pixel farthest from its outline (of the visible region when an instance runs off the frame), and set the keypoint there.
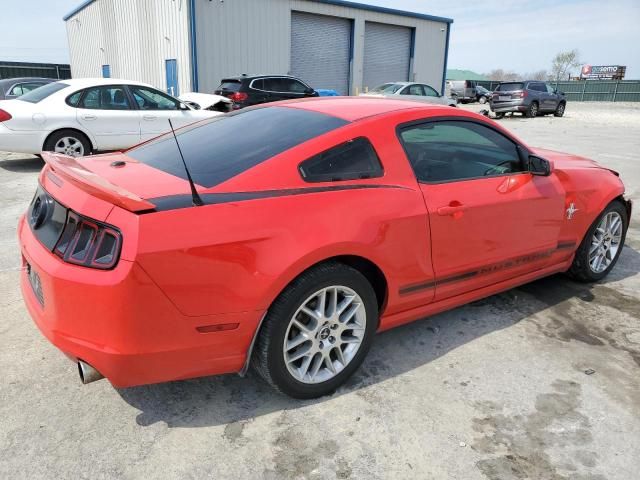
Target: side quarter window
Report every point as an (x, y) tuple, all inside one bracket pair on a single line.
[(449, 150), (355, 159)]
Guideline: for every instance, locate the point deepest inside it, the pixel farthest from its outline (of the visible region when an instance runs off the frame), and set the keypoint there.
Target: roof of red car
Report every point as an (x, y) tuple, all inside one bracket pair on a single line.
[(355, 108)]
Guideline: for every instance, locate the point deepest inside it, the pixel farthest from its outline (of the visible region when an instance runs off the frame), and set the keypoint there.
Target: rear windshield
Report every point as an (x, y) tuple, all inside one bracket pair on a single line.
[(509, 87), (225, 146), (35, 96), (230, 85)]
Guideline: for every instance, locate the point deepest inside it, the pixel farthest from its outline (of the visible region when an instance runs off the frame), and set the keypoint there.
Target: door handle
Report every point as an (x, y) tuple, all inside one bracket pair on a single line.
[(451, 209), (89, 117), (149, 117)]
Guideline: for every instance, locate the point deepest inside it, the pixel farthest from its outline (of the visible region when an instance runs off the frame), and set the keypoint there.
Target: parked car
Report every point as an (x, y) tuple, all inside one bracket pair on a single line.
[(463, 91), (247, 90), (531, 98), (146, 273), (206, 101), (483, 95), (80, 116), (14, 87), (419, 92)]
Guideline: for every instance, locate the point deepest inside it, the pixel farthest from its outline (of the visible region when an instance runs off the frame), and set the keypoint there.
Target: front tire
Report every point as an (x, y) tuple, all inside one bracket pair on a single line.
[(559, 110), (317, 332), (68, 142), (482, 100), (602, 245)]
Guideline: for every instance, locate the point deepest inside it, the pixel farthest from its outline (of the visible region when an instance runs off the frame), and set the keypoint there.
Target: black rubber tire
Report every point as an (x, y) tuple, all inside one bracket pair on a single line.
[(268, 360), (560, 109), (49, 144), (531, 110), (580, 269), (499, 115)]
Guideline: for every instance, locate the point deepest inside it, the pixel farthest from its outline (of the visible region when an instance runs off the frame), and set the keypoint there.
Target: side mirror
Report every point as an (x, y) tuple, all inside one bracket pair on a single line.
[(540, 166), (309, 91), (184, 106)]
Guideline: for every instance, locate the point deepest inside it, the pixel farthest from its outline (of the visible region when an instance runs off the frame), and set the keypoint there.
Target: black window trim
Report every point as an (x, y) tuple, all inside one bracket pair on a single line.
[(523, 151), (329, 178)]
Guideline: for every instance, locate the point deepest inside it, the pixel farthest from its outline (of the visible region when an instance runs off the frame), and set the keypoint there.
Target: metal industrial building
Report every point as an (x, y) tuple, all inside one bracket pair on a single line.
[(190, 45)]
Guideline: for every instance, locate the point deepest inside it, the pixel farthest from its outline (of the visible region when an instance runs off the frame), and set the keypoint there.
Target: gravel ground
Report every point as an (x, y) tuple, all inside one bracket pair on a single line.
[(493, 390)]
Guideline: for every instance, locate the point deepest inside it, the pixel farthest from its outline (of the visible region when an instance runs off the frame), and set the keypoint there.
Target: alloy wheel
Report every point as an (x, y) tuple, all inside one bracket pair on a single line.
[(69, 146), (324, 334), (605, 242)]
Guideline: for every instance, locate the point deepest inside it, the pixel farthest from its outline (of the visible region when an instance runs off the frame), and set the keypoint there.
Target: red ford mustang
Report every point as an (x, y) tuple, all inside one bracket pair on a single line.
[(295, 233)]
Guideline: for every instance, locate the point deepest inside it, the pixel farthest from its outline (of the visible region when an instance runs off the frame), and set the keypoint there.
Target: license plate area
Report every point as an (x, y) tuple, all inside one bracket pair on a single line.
[(36, 284), (504, 98)]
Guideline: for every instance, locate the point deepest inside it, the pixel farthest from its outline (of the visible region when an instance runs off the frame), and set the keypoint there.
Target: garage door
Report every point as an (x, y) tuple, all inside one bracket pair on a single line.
[(387, 52), (320, 50)]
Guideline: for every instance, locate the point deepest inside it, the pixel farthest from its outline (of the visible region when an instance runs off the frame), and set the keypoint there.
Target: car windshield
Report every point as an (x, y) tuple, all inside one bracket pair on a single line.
[(221, 148), (510, 87), (387, 88), (39, 94)]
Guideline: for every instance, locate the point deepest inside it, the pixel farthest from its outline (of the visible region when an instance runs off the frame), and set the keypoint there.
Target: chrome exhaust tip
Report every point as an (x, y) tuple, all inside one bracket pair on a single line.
[(87, 373)]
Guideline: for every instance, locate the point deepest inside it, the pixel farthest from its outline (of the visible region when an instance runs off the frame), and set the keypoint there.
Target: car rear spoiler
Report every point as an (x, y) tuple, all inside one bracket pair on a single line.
[(71, 170)]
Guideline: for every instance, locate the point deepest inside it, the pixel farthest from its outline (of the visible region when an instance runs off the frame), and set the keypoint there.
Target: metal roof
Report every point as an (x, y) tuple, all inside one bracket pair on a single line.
[(341, 3)]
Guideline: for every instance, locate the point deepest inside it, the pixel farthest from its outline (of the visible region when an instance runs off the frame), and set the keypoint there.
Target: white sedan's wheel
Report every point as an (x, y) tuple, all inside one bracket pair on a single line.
[(68, 142), (69, 146)]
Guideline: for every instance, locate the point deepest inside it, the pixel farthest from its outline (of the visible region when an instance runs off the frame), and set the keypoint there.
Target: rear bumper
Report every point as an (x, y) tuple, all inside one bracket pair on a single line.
[(512, 106), (122, 324), (20, 141)]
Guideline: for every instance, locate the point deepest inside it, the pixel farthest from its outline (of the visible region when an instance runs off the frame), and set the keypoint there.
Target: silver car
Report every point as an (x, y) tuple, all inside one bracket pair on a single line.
[(420, 92)]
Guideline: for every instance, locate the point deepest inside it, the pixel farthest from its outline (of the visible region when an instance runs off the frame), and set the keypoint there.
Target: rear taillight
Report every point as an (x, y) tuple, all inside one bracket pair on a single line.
[(88, 243), (4, 115), (239, 97), (523, 94)]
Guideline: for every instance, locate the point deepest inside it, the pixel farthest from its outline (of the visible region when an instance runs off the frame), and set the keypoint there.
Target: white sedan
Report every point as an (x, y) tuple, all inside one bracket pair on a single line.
[(80, 116), (419, 92)]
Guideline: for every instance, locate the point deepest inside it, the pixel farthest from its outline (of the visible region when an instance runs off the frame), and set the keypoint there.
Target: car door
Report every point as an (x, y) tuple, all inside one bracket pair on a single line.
[(541, 94), (552, 96), (490, 219), (156, 108), (106, 112)]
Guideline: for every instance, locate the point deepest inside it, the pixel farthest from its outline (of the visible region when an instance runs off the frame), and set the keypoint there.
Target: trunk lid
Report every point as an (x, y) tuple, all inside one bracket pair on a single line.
[(113, 178)]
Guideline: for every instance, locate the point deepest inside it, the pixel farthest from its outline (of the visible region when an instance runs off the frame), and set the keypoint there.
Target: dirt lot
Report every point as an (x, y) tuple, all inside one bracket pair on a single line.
[(493, 390)]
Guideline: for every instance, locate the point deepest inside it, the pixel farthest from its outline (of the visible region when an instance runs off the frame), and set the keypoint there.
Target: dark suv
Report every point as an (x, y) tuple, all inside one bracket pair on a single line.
[(247, 90), (532, 98)]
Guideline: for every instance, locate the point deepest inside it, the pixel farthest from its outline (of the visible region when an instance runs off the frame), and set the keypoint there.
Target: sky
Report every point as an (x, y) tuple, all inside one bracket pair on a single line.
[(517, 35)]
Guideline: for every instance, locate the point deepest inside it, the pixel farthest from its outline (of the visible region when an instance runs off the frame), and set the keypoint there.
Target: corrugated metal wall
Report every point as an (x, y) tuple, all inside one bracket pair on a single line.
[(30, 69), (134, 38), (254, 36)]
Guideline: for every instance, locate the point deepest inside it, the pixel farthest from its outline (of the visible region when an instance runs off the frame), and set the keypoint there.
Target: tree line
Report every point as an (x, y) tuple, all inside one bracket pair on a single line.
[(562, 66)]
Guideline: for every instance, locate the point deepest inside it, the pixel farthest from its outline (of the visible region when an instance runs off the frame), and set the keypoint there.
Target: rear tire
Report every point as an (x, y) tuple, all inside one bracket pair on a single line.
[(560, 110), (300, 333), (532, 111), (68, 142), (499, 115), (598, 240)]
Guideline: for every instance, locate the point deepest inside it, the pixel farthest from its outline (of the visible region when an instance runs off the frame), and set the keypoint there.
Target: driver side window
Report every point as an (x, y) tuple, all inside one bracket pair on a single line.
[(444, 151), (149, 99)]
